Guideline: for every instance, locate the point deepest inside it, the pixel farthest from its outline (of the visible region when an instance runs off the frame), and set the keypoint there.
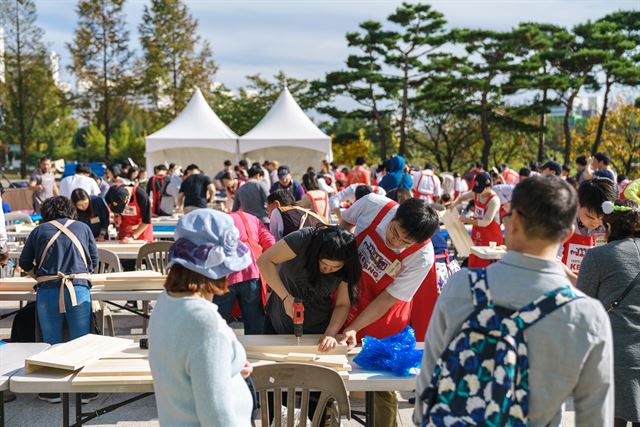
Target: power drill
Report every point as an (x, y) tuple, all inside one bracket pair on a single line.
[(298, 318)]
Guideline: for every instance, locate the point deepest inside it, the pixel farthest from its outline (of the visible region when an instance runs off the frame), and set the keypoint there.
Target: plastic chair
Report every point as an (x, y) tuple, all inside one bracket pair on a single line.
[(298, 380), (154, 256), (109, 263), (16, 217)]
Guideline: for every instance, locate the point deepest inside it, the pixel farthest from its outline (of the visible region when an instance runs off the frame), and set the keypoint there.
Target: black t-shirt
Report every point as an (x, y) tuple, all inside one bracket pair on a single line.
[(317, 296), (142, 199), (195, 190)]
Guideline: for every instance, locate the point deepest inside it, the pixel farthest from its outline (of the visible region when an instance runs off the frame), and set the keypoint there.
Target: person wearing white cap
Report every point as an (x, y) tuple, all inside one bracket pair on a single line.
[(198, 365)]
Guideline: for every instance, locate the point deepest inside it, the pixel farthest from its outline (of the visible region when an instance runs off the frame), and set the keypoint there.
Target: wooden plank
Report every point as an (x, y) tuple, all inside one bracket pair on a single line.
[(116, 368), (119, 380), (128, 281), (285, 344), (457, 232), (75, 354), (17, 284), (337, 361)]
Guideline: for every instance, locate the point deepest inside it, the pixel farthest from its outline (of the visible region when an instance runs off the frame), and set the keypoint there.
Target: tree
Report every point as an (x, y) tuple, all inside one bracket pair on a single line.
[(362, 82), (176, 59), (101, 60), (533, 43), (618, 36), (421, 33), (490, 57), (575, 61), (27, 74)]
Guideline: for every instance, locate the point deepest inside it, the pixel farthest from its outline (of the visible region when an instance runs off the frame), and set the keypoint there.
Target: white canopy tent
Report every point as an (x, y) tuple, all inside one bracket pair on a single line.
[(287, 135), (197, 136)]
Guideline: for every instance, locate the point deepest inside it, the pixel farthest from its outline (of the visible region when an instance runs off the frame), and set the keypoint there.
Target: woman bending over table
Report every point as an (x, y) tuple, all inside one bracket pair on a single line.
[(93, 211), (311, 264)]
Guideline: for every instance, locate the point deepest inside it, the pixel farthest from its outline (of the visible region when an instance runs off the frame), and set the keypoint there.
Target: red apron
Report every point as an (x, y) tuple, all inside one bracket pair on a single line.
[(380, 266), (425, 196), (481, 236), (131, 219), (574, 250), (316, 200)]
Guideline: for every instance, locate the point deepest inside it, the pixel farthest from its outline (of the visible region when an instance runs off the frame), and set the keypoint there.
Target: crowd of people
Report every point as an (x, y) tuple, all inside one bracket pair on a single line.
[(364, 249)]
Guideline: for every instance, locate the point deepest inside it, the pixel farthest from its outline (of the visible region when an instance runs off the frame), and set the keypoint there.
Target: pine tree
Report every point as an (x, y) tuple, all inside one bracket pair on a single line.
[(173, 65), (421, 33), (101, 61)]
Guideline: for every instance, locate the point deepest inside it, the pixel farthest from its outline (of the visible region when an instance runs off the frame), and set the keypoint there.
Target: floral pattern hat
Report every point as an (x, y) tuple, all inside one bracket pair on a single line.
[(207, 242)]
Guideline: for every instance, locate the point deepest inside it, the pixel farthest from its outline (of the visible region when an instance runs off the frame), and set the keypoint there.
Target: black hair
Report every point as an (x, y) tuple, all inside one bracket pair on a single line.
[(191, 167), (525, 172), (283, 196), (255, 171), (623, 225), (399, 195), (547, 205), (132, 170), (417, 219), (479, 165), (602, 157), (430, 166), (115, 170), (446, 197), (336, 244), (256, 164), (361, 191), (161, 167), (79, 194), (566, 168), (621, 177), (593, 192), (44, 159), (227, 163), (581, 160), (360, 160), (534, 166), (310, 181), (58, 207), (243, 163), (226, 175), (572, 181), (83, 168)]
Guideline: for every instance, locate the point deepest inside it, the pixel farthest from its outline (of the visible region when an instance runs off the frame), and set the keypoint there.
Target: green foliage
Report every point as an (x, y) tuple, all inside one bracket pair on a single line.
[(101, 61), (176, 59)]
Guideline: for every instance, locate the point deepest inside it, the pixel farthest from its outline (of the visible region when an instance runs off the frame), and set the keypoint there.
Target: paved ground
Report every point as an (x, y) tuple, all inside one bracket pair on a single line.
[(28, 411)]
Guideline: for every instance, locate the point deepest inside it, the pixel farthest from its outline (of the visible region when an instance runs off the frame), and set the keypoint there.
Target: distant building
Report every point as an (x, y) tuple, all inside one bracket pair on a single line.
[(590, 106)]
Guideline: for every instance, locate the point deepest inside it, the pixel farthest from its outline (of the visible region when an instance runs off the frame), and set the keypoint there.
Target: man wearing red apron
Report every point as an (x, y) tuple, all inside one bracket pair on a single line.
[(134, 208), (589, 230), (426, 185), (397, 261), (486, 220)]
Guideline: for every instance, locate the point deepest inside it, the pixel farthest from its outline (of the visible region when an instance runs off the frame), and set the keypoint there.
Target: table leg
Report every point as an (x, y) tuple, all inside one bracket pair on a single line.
[(2, 408), (78, 409), (369, 408), (65, 409), (145, 320)]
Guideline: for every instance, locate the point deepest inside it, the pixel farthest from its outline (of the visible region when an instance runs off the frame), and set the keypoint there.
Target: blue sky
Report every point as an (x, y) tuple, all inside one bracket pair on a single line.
[(305, 38)]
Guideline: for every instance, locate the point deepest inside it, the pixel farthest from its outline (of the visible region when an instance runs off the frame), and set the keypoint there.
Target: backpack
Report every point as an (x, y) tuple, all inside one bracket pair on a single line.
[(482, 376), (162, 201)]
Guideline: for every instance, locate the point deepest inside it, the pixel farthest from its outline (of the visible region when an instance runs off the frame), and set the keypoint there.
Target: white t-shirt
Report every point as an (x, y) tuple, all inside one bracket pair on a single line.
[(416, 266), (70, 183), (504, 192), (348, 194), (426, 182)]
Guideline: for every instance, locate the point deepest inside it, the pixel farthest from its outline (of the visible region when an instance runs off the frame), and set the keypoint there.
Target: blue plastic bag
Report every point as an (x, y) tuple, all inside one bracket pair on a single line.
[(396, 353)]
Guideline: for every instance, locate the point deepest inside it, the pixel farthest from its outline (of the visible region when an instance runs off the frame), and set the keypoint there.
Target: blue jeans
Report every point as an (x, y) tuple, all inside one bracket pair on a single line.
[(249, 296), (51, 320)]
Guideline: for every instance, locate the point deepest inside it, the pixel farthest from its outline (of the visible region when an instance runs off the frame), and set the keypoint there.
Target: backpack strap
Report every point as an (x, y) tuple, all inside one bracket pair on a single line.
[(531, 313), (480, 294)]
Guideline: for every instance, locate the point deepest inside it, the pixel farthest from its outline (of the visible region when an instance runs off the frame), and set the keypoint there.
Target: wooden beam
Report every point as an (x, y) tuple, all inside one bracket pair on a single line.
[(285, 344)]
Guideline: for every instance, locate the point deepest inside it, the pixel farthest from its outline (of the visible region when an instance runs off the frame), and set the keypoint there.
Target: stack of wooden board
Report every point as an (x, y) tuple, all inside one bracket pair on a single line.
[(124, 281), (130, 281), (285, 348), (457, 232), (75, 354)]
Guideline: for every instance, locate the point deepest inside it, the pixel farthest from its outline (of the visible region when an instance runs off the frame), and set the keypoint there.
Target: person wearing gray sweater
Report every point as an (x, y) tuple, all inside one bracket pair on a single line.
[(605, 273), (198, 365)]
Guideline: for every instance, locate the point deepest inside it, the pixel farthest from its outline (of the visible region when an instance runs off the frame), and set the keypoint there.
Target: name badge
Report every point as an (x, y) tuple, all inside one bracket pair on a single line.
[(95, 220), (394, 269), (130, 210)]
